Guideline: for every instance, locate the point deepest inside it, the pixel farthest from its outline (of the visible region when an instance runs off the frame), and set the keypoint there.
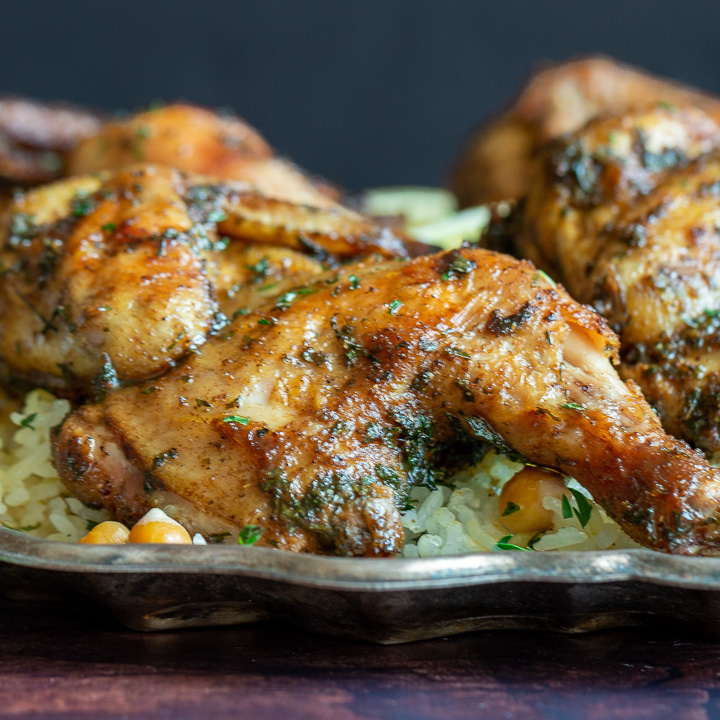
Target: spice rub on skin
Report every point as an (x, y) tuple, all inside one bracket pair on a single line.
[(312, 416), (625, 213), (117, 277)]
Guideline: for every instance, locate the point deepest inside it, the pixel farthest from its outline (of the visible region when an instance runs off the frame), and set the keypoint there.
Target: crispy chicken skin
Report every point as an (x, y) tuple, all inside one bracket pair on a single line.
[(201, 141), (35, 138), (496, 160), (625, 213), (124, 275), (313, 415)]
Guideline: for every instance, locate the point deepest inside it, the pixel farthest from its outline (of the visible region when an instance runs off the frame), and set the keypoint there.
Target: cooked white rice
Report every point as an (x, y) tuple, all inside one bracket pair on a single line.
[(460, 518), (32, 497)]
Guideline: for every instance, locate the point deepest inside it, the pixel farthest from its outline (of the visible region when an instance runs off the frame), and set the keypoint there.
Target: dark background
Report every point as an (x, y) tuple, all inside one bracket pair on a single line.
[(371, 92)]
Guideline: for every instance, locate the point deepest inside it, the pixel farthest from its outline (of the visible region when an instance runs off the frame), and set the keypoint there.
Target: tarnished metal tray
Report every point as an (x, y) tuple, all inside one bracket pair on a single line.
[(151, 587)]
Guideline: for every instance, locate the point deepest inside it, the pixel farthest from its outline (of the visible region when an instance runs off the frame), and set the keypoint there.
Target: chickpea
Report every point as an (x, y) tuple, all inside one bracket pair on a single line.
[(107, 533), (157, 527), (526, 492)]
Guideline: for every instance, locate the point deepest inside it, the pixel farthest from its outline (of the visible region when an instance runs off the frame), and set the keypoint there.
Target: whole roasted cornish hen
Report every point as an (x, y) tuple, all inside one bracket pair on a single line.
[(625, 213), (314, 414), (116, 277)]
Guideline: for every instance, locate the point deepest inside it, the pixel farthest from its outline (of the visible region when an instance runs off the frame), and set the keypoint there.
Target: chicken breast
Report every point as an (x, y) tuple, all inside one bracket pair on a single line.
[(116, 278), (312, 416), (496, 161), (625, 213)]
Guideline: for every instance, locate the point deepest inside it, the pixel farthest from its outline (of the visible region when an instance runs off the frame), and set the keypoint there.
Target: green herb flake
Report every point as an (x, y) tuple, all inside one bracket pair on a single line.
[(584, 508), (236, 419), (109, 227), (395, 305), (504, 544), (239, 313), (510, 508), (263, 321), (27, 421), (216, 216), (148, 390), (199, 402), (573, 406), (566, 508), (452, 350), (354, 282), (82, 204), (250, 534)]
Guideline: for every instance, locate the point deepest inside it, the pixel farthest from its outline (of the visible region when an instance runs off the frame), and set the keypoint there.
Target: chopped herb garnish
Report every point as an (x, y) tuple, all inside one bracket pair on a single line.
[(28, 420), (503, 544), (239, 312), (109, 227), (236, 419), (199, 402), (354, 282), (283, 302), (566, 508), (82, 204), (452, 350), (250, 534), (458, 265), (395, 305), (263, 321), (548, 337), (148, 390), (216, 216), (584, 508), (510, 508), (572, 406)]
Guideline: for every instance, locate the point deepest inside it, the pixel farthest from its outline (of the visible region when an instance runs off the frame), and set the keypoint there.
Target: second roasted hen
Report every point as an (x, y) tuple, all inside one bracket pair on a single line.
[(314, 415), (626, 214)]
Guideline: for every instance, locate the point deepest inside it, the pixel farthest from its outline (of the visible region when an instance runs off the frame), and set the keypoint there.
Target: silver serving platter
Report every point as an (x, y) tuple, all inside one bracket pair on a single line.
[(156, 587)]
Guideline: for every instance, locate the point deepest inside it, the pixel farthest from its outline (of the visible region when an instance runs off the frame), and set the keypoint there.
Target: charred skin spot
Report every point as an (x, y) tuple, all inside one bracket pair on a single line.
[(508, 324)]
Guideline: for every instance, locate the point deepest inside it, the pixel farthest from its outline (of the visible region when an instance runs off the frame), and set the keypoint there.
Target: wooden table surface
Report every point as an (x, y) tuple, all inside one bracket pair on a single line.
[(74, 662)]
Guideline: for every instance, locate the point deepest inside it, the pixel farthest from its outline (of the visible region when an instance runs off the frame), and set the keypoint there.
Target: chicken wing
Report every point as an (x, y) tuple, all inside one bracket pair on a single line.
[(496, 160), (200, 141), (313, 415), (625, 213), (121, 276)]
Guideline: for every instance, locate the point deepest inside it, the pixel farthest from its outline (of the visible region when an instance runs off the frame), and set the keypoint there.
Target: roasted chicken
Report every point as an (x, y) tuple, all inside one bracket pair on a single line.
[(496, 161), (625, 213), (116, 278), (313, 415)]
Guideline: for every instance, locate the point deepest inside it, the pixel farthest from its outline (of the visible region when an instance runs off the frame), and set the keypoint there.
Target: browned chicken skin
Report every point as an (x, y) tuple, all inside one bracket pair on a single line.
[(625, 213), (198, 140), (496, 160), (313, 415), (124, 275)]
